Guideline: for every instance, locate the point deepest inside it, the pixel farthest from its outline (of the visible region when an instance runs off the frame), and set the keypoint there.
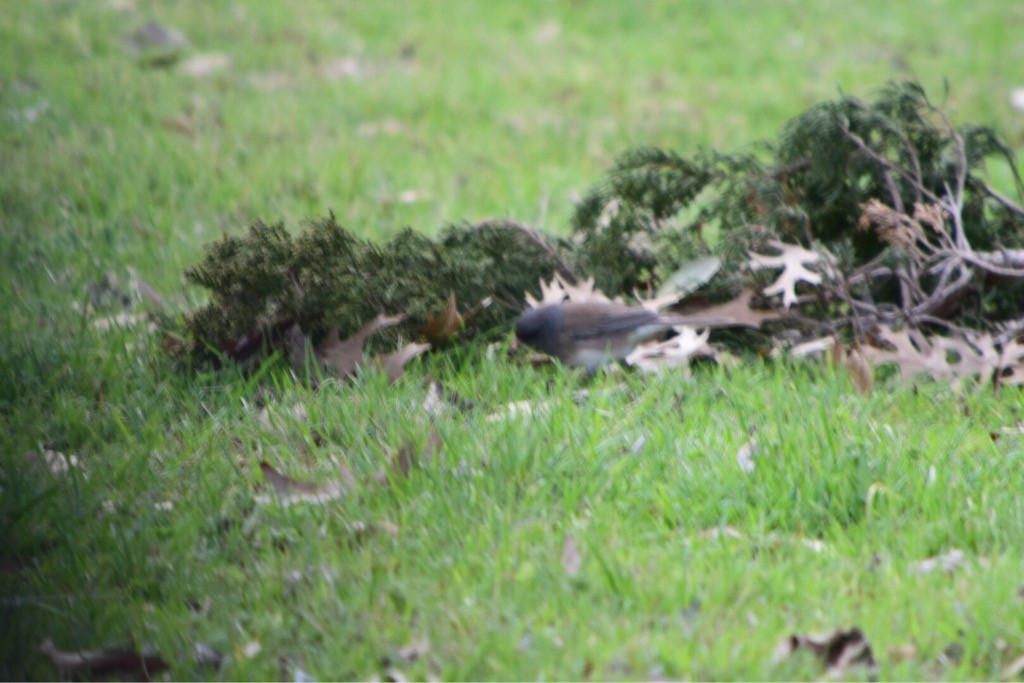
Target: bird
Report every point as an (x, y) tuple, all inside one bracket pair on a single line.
[(592, 333)]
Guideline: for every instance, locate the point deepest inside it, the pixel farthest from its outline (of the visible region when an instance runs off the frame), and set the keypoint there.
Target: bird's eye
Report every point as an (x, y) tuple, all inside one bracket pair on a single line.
[(528, 327), (526, 331)]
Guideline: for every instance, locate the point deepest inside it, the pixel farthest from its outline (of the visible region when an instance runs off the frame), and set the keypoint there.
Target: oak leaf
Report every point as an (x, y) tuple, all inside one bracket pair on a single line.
[(103, 664), (558, 290), (440, 329), (735, 312), (406, 458), (288, 491), (394, 363), (794, 261), (342, 357), (970, 354), (853, 360), (671, 353), (839, 650)]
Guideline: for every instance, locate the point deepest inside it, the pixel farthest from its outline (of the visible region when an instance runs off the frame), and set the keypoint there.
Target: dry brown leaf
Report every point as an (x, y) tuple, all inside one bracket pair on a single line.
[(405, 458), (902, 653), (298, 347), (103, 664), (154, 38), (911, 352), (360, 529), (343, 357), (275, 416), (125, 320), (892, 226), (1011, 364), (836, 353), (394, 363), (815, 545), (201, 66), (1013, 670), (671, 353), (57, 463), (343, 67), (440, 400), (972, 354), (182, 125), (852, 359), (737, 311), (434, 402), (558, 290), (572, 561), (946, 562), (550, 293), (411, 196), (414, 650), (143, 291), (520, 409), (205, 656), (810, 347), (860, 371), (793, 260), (442, 328), (583, 291), (746, 455), (839, 650), (547, 32), (385, 527), (288, 491)]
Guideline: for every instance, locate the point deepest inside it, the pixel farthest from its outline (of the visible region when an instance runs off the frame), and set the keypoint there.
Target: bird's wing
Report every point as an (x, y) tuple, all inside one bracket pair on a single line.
[(603, 319)]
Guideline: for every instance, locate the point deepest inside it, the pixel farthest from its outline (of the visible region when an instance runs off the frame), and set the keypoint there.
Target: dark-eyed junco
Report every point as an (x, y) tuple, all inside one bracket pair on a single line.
[(592, 333)]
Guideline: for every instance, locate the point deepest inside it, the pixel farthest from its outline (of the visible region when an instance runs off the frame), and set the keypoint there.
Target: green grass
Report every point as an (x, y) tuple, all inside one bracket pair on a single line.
[(483, 109)]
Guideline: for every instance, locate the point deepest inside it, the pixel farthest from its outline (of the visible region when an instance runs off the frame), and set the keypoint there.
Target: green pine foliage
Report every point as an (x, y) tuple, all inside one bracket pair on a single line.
[(903, 126), (325, 277), (652, 212), (809, 189), (629, 228)]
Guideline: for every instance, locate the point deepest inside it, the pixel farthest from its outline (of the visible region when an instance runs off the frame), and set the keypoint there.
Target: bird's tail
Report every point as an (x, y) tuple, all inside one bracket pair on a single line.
[(697, 320)]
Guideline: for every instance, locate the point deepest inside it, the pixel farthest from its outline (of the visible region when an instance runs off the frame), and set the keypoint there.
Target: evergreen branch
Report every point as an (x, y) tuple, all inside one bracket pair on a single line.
[(885, 163), (563, 268), (1005, 201)]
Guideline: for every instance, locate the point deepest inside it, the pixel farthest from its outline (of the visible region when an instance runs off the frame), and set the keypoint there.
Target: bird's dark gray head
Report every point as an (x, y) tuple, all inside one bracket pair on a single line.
[(539, 328)]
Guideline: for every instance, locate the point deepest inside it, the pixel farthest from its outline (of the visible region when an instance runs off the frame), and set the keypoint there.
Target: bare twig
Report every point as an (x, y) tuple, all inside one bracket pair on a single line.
[(894, 192), (994, 262), (943, 292), (789, 169), (1007, 203), (878, 158), (1011, 331), (866, 276)]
